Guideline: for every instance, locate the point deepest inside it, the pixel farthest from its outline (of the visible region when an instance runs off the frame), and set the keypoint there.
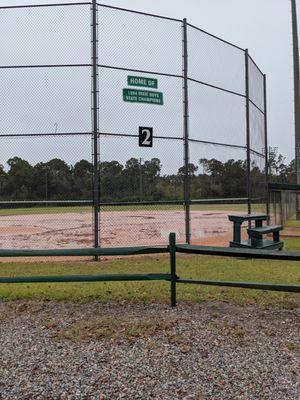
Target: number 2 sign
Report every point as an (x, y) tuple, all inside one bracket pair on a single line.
[(145, 137)]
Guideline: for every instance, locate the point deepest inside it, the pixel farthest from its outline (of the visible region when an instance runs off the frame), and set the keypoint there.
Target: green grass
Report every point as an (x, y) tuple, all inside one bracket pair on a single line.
[(44, 210), (292, 224), (87, 209), (201, 267)]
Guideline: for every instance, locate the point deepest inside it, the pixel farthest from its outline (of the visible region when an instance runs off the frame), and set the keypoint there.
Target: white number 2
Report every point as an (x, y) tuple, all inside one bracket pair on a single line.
[(146, 141)]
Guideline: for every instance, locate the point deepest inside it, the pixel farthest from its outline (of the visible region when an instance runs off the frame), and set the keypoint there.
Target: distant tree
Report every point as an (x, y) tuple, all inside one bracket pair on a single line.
[(3, 180), (223, 179), (82, 180), (19, 179), (40, 184), (138, 179), (170, 187), (279, 171), (59, 179), (111, 182), (192, 169), (150, 173)]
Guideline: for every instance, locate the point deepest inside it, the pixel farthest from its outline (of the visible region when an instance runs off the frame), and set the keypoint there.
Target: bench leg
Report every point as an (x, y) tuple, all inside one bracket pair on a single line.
[(276, 237), (258, 223), (237, 232), (256, 241)]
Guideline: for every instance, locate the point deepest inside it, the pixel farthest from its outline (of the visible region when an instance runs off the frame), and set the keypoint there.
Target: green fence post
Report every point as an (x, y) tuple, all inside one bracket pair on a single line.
[(172, 249)]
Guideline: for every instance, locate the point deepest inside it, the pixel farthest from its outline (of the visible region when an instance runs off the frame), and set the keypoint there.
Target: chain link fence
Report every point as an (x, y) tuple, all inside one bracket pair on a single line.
[(81, 80)]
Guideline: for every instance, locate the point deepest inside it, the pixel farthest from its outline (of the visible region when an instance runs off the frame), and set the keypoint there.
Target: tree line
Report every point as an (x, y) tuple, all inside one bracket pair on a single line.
[(136, 180)]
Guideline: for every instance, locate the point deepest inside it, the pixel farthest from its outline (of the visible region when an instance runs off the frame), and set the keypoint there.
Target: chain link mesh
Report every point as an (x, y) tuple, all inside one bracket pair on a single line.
[(215, 62), (48, 169), (45, 35), (40, 100), (216, 116), (119, 117), (257, 115), (140, 42), (256, 85)]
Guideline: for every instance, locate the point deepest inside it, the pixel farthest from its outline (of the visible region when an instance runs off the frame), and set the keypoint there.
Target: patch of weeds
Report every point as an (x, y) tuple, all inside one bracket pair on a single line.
[(290, 346), (120, 328), (3, 318), (176, 339), (239, 331), (291, 304), (50, 325), (216, 315), (180, 341), (235, 330)]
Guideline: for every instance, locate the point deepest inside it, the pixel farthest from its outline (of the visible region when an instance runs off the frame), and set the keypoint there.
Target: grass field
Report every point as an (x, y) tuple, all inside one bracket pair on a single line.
[(86, 209), (292, 224), (204, 267)]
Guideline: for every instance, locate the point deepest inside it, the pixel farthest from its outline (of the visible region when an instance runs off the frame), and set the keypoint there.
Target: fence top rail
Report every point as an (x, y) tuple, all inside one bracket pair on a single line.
[(236, 252), (43, 202), (283, 186), (45, 5), (228, 200), (125, 251), (255, 64), (85, 278), (216, 37), (114, 251), (139, 12)]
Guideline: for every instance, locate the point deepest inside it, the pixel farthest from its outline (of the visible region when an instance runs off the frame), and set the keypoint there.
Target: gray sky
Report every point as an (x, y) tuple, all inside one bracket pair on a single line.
[(264, 27)]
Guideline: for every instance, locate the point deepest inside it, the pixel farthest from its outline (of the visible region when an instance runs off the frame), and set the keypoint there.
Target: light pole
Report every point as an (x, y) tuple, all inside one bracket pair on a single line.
[(296, 97)]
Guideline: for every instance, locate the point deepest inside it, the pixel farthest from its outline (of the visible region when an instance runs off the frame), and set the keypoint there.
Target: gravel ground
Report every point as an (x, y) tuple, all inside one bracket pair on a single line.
[(129, 351)]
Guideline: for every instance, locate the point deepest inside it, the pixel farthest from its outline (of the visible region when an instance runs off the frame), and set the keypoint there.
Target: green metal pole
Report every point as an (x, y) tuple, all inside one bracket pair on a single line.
[(249, 194), (172, 248), (187, 194), (95, 139), (267, 177)]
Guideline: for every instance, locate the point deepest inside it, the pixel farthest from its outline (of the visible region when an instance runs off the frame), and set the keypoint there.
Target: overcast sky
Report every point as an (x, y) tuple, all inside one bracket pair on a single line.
[(262, 26)]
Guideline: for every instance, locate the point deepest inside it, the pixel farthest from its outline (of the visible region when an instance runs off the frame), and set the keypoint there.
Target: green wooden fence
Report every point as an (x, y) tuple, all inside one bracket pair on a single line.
[(171, 277)]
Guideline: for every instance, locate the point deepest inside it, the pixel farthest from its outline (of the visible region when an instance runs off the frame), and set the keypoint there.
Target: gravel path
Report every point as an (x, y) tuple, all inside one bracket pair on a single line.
[(123, 351)]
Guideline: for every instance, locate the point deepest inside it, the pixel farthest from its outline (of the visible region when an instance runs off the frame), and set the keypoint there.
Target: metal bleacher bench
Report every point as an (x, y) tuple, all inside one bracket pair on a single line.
[(255, 234)]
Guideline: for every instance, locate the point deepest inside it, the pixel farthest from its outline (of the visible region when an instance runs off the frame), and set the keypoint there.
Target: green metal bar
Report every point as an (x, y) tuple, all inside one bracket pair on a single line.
[(246, 285), (86, 278), (238, 252), (116, 251), (172, 247), (283, 186), (249, 189), (95, 117), (186, 134), (267, 168), (237, 232)]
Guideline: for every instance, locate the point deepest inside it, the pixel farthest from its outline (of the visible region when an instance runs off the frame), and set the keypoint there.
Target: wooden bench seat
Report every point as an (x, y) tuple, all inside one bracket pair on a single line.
[(239, 219), (266, 229), (256, 235)]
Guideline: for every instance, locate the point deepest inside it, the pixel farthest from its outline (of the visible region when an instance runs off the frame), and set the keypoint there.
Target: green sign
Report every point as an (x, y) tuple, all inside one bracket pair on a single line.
[(143, 96), (142, 81)]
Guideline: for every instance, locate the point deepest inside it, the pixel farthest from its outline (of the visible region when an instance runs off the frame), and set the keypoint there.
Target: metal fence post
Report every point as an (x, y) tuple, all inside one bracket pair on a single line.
[(172, 249), (266, 148), (95, 109), (248, 131), (186, 134)]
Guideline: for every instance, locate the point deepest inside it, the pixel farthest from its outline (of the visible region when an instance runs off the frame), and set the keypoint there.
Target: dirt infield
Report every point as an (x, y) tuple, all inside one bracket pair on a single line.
[(117, 228)]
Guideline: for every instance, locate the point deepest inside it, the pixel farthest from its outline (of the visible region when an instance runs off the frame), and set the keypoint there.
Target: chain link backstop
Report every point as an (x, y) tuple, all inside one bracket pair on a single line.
[(79, 82)]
